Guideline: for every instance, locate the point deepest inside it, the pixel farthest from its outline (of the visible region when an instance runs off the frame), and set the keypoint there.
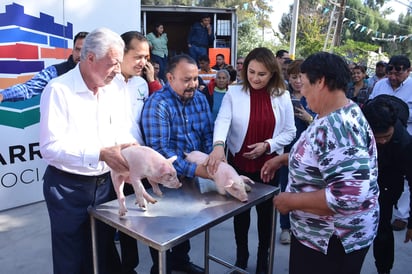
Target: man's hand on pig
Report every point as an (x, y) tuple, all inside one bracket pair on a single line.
[(114, 159)]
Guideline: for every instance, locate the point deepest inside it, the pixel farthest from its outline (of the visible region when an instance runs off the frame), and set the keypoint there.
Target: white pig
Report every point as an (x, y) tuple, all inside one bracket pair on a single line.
[(226, 178), (144, 162)]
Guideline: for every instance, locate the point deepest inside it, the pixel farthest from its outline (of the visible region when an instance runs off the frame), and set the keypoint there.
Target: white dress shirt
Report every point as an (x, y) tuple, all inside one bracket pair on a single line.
[(138, 91), (404, 92), (75, 124)]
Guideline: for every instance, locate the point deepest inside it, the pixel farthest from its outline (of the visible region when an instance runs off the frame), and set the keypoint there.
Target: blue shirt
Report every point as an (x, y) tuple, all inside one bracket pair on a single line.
[(217, 101), (32, 87), (198, 36), (402, 92), (36, 84), (173, 127), (300, 124)]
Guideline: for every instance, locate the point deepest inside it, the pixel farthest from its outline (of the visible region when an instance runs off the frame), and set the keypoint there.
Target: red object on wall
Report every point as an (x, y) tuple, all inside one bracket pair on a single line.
[(214, 51), (19, 51)]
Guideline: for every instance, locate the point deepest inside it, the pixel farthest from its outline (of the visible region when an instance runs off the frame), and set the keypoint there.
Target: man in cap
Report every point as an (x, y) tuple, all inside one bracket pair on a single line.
[(380, 73)]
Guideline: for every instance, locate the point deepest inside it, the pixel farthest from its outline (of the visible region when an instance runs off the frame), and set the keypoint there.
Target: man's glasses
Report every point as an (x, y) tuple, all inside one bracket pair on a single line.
[(398, 70), (239, 63)]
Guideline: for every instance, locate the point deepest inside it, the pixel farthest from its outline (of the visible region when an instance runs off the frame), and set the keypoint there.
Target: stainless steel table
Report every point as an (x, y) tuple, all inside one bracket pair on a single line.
[(177, 216)]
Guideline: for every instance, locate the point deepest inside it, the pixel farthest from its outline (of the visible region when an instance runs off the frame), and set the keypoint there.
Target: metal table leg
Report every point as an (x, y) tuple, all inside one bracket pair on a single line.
[(272, 241), (207, 248), (208, 257), (94, 245), (162, 262)]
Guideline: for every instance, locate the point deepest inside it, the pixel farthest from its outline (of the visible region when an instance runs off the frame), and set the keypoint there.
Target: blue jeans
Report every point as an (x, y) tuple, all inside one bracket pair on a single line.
[(283, 178), (195, 52)]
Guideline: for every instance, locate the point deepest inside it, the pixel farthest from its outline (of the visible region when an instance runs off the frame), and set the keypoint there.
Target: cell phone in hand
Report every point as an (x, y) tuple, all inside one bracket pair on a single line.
[(296, 104)]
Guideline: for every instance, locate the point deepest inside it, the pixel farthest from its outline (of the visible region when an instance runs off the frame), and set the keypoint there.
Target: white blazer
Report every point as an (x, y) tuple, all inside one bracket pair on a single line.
[(233, 120)]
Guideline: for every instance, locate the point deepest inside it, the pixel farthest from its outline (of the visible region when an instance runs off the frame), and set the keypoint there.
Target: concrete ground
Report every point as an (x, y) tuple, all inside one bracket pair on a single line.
[(25, 246)]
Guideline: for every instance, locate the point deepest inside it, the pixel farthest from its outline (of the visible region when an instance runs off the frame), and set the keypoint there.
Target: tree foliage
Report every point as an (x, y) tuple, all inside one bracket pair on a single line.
[(373, 16), (364, 21), (313, 23)]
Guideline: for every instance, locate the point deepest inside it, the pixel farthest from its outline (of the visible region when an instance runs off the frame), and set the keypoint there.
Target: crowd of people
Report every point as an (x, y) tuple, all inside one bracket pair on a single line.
[(338, 143)]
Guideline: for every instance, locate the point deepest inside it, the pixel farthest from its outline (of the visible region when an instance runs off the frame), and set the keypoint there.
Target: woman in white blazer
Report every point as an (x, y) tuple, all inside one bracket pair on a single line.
[(255, 121)]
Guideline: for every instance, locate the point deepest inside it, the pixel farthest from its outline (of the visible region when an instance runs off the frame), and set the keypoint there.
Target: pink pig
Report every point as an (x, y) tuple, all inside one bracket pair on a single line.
[(144, 162), (226, 178)]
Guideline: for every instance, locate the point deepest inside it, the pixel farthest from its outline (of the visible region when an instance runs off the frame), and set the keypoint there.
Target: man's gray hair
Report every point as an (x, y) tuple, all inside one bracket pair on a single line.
[(100, 41)]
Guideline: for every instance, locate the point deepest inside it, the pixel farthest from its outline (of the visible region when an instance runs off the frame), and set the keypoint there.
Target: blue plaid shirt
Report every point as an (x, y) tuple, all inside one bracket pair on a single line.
[(30, 88), (36, 84), (173, 127)]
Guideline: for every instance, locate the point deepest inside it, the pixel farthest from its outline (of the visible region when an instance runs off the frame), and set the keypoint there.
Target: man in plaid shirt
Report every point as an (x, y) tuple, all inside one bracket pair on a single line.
[(175, 120)]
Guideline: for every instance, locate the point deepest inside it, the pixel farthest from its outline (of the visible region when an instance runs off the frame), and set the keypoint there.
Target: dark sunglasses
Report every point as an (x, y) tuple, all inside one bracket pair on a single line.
[(391, 67), (239, 63)]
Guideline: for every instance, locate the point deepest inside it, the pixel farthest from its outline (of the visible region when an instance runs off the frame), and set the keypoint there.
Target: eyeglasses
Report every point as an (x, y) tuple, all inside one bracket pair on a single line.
[(239, 63), (398, 70)]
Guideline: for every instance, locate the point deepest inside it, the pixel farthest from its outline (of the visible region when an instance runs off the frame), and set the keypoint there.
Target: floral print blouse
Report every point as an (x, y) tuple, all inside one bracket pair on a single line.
[(337, 153)]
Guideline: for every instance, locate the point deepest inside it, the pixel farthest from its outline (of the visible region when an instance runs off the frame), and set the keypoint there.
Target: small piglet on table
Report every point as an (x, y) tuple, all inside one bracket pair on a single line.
[(226, 178), (144, 162)]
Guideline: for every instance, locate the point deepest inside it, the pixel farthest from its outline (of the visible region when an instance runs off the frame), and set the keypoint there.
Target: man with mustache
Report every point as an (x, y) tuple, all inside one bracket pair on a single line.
[(36, 84), (175, 120)]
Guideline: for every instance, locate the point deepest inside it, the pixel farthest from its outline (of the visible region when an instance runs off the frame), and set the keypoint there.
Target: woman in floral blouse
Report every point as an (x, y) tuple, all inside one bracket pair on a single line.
[(332, 193)]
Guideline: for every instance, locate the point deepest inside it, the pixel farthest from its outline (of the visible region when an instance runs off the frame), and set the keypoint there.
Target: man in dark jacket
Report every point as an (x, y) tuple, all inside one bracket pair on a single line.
[(36, 84), (200, 37), (394, 164)]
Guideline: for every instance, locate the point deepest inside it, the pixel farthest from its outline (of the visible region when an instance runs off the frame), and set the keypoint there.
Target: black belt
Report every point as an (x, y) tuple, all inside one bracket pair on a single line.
[(78, 177)]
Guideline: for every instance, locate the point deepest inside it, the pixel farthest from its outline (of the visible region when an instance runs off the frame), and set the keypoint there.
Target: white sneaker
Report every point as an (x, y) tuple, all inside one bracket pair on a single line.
[(285, 237)]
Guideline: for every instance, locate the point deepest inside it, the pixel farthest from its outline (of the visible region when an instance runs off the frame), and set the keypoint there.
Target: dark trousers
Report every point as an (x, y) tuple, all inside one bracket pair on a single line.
[(241, 223), (67, 198), (129, 253), (128, 245), (303, 259), (384, 243), (195, 52), (177, 256), (284, 219)]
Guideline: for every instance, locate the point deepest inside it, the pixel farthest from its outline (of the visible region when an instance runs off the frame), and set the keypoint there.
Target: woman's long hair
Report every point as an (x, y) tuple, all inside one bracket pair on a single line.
[(276, 85), (155, 31)]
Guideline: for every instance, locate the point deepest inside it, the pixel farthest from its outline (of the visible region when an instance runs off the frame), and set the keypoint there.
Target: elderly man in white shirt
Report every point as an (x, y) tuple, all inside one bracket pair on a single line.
[(83, 126)]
